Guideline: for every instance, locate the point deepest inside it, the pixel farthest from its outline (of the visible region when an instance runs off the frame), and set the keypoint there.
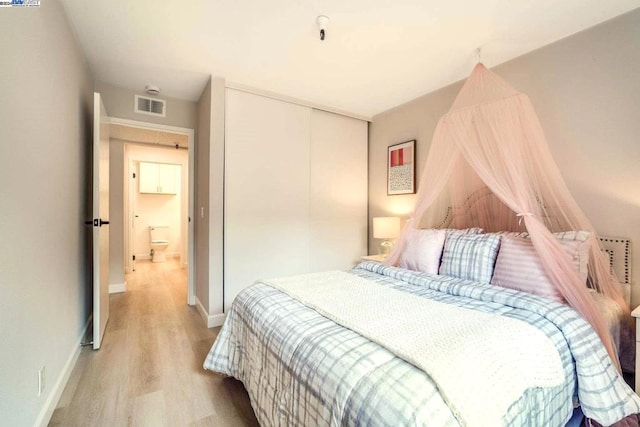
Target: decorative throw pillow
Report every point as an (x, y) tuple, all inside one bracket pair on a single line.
[(519, 267), (581, 255), (582, 252), (471, 230), (470, 256), (422, 251)]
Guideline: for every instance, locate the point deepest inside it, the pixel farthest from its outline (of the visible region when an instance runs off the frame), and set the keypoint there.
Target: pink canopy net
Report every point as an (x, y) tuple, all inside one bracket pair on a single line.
[(492, 142)]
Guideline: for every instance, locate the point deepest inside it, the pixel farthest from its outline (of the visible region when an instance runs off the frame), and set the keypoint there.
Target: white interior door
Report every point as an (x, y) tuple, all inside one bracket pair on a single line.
[(100, 219)]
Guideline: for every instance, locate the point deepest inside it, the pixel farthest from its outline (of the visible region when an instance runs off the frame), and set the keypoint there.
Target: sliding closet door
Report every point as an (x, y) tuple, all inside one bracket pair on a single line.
[(338, 191), (266, 190)]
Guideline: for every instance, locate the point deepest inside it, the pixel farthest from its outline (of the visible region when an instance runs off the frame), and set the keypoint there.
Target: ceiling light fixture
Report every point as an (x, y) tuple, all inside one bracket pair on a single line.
[(152, 89), (322, 25)]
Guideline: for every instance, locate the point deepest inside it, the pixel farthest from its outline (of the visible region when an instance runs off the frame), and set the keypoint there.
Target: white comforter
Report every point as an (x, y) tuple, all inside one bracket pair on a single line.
[(459, 346)]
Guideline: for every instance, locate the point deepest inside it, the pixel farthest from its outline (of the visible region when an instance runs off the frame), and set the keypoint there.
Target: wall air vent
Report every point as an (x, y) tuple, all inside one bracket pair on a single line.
[(145, 105)]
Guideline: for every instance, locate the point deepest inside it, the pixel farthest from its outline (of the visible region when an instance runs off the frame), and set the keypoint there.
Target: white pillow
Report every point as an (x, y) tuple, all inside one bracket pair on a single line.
[(422, 250)]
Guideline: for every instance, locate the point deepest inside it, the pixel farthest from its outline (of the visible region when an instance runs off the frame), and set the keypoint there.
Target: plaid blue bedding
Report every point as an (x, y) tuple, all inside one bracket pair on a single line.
[(302, 369)]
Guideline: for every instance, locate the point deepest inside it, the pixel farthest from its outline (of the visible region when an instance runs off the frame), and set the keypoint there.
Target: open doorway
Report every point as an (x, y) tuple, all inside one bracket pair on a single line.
[(157, 208), (157, 196)]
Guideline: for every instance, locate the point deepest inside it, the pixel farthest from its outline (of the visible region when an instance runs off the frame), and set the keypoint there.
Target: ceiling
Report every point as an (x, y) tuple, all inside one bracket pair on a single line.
[(377, 53)]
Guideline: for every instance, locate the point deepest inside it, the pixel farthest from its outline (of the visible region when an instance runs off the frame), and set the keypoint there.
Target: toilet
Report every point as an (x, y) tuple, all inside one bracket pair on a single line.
[(159, 241)]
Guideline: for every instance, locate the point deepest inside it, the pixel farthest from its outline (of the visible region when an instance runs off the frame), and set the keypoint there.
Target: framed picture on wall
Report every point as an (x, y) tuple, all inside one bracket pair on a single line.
[(401, 168)]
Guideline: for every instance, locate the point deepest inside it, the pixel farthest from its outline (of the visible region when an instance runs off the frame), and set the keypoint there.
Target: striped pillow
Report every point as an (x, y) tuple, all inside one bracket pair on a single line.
[(422, 251), (581, 255), (470, 256), (519, 267)]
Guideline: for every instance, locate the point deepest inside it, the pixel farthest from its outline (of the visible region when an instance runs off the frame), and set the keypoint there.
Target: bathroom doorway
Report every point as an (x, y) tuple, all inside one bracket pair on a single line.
[(158, 203), (157, 182)]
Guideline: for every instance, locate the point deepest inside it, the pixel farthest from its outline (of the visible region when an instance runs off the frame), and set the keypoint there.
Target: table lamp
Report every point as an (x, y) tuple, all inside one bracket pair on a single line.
[(386, 228)]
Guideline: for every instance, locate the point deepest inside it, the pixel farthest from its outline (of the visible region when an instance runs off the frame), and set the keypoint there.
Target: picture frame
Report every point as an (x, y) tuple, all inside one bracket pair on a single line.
[(401, 168)]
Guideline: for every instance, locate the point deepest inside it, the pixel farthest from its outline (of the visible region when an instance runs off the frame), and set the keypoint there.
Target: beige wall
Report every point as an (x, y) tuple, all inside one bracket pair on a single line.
[(120, 103), (201, 226), (216, 196), (45, 133), (209, 199), (586, 92)]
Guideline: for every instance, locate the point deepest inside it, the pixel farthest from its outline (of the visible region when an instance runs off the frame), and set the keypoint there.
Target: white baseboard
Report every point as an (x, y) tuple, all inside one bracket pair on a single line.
[(201, 309), (56, 392), (147, 256), (211, 320), (117, 287), (215, 320)]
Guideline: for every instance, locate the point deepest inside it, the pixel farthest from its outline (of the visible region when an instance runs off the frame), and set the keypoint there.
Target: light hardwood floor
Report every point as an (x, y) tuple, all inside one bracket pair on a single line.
[(149, 369)]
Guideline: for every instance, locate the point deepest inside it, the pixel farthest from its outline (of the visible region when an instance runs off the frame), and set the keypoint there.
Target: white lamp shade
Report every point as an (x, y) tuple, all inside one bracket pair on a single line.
[(386, 227)]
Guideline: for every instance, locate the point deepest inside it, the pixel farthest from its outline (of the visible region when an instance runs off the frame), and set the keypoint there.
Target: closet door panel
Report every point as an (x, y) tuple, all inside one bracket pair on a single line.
[(338, 191), (266, 190)]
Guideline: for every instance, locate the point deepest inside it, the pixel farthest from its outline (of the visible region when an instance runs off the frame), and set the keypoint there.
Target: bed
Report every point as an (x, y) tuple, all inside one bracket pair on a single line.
[(301, 366), (453, 341)]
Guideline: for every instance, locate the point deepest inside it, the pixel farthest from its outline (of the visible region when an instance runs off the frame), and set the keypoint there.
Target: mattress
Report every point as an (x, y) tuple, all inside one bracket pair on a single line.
[(300, 368)]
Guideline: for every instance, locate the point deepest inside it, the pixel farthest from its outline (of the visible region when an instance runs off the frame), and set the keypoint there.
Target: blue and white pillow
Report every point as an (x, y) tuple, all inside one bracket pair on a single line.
[(470, 256), (470, 230)]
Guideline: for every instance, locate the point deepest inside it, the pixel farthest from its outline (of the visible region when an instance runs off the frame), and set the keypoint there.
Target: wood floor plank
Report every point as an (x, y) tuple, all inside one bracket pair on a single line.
[(149, 369), (149, 410)]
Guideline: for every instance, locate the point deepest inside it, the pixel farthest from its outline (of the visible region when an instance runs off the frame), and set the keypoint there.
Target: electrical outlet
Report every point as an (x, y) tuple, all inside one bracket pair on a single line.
[(41, 378), (201, 211)]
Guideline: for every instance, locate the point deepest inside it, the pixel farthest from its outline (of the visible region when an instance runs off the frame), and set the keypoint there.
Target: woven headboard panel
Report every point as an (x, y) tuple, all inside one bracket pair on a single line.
[(619, 251), (454, 211)]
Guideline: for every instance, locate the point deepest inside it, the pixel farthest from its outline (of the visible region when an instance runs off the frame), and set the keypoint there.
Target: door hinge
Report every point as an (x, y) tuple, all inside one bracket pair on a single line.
[(134, 175), (133, 257)]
